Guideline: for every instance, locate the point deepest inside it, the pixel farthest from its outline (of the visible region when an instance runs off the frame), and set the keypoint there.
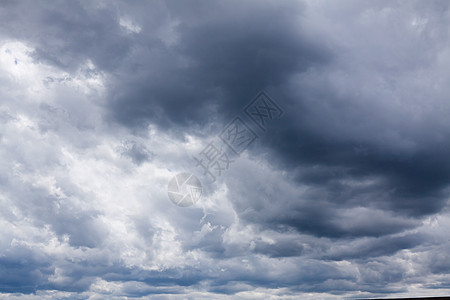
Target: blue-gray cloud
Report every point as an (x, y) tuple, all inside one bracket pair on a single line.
[(346, 194)]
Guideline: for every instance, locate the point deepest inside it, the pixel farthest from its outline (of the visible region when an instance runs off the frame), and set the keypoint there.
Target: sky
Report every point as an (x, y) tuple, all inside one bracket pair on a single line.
[(343, 192)]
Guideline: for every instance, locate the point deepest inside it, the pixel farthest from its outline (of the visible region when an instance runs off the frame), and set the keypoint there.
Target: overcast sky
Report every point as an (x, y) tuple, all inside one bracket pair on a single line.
[(344, 194)]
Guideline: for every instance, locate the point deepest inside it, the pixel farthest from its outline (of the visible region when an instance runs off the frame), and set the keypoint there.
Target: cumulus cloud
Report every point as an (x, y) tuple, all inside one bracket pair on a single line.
[(102, 103)]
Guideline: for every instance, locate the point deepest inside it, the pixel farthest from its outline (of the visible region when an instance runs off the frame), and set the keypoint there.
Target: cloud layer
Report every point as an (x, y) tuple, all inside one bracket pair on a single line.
[(346, 194)]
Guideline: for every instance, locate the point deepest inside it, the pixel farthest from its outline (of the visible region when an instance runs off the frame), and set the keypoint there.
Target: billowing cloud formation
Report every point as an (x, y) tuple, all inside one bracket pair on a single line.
[(102, 103)]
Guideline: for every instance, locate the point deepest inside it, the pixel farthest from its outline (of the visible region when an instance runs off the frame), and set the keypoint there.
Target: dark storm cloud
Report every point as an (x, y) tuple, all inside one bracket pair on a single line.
[(219, 61), (331, 197), (377, 247), (23, 270), (416, 182), (217, 64), (356, 148)]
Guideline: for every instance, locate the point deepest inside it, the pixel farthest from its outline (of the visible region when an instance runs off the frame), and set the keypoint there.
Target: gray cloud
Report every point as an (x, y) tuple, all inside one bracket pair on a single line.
[(345, 195)]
